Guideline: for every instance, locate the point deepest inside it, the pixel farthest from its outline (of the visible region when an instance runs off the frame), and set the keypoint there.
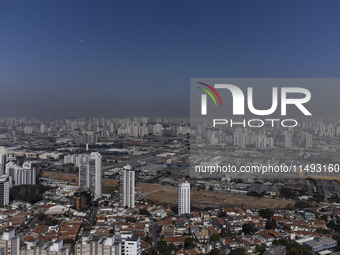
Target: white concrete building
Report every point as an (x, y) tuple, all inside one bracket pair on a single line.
[(2, 164), (183, 198), (130, 244), (90, 173), (25, 175), (127, 187), (4, 191)]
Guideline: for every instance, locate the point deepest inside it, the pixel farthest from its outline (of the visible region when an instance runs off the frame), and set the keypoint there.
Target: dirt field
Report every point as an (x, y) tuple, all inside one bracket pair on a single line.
[(168, 194), (73, 177), (60, 176), (206, 198)]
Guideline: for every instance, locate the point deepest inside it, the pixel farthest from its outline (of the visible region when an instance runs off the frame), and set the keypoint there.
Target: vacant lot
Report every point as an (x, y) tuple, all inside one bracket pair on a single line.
[(60, 176), (206, 198), (168, 194), (74, 178)]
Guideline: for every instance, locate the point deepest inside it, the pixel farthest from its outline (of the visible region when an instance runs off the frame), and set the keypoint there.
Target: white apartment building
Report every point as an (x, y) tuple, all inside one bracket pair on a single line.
[(127, 187), (183, 198)]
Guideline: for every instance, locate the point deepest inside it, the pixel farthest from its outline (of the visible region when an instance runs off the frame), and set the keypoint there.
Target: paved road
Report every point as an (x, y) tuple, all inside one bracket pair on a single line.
[(31, 225), (153, 233)]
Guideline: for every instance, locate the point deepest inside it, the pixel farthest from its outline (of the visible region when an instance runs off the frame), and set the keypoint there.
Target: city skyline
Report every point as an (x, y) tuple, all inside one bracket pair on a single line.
[(169, 127), (130, 203)]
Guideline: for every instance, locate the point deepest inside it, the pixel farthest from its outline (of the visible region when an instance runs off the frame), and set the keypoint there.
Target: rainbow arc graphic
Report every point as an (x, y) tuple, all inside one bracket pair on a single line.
[(209, 93)]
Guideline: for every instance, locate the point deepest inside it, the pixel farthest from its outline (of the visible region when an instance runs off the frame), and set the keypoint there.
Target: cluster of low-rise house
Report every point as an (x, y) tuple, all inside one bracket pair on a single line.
[(201, 226), (111, 229)]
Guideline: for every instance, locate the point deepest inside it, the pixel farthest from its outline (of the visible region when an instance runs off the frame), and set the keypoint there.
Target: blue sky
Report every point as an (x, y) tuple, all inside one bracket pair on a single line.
[(135, 58)]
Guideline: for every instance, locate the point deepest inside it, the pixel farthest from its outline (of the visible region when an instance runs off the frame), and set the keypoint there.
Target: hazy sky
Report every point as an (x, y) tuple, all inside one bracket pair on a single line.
[(115, 58)]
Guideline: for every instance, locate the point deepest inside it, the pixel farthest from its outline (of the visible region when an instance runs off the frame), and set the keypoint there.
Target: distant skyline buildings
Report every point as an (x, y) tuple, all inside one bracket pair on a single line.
[(288, 140), (309, 140), (97, 130)]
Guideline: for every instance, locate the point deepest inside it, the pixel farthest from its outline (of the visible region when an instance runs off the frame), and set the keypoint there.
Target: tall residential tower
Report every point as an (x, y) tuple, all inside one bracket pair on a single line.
[(90, 173), (127, 187), (183, 198), (2, 164), (4, 191)]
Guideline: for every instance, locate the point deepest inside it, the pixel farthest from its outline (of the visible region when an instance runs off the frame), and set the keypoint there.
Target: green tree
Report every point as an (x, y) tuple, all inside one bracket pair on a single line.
[(255, 194), (337, 239), (222, 214), (293, 248), (248, 229), (323, 231), (225, 232), (72, 242), (319, 198), (41, 216), (163, 248), (260, 248), (324, 218), (150, 251), (189, 243), (130, 219), (28, 193), (302, 205), (331, 225), (286, 193), (144, 212), (266, 213), (171, 247), (271, 224), (215, 237), (214, 251), (238, 251), (148, 239)]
